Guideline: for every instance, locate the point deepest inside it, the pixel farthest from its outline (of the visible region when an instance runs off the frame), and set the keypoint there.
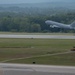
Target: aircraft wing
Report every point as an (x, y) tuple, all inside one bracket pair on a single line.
[(54, 26)]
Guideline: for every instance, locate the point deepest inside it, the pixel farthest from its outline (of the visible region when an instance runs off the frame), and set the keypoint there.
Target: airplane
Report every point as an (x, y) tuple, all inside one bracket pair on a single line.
[(60, 25)]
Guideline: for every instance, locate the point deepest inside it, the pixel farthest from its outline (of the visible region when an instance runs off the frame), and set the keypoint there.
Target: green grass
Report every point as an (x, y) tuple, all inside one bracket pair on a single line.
[(22, 48), (63, 59), (24, 33)]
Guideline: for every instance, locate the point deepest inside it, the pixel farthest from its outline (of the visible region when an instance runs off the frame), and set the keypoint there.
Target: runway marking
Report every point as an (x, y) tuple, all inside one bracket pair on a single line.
[(37, 56)]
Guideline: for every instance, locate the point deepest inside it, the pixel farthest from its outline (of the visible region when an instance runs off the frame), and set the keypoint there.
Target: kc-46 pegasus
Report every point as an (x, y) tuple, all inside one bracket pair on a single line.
[(60, 25)]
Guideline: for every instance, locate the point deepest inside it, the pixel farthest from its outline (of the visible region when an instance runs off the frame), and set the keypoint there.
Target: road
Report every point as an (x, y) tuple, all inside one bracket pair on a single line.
[(38, 36), (27, 69)]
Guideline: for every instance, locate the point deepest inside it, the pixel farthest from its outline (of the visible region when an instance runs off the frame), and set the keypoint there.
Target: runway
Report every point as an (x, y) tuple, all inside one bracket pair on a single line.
[(26, 69), (38, 36)]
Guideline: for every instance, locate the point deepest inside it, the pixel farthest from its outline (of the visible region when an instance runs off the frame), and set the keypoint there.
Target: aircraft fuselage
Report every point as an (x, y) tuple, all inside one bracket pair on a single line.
[(59, 25)]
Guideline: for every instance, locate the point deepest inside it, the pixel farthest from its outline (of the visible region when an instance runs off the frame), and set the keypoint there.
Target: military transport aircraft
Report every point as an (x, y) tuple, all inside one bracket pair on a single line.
[(60, 25)]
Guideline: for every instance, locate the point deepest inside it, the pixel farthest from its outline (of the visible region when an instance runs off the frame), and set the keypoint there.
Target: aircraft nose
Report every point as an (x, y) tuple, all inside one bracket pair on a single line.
[(46, 22)]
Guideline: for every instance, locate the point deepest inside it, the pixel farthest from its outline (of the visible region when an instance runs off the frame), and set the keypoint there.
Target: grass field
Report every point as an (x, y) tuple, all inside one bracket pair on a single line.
[(61, 59), (23, 33), (23, 48)]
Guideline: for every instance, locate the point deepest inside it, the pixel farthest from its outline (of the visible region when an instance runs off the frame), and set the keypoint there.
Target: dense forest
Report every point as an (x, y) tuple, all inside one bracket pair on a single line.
[(32, 19)]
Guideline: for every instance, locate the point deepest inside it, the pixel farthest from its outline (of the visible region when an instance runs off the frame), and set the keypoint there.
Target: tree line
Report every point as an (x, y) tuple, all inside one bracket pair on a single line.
[(34, 23)]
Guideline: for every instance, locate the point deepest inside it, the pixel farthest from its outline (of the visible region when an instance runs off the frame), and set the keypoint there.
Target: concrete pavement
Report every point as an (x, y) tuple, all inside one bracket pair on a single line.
[(26, 69), (38, 36)]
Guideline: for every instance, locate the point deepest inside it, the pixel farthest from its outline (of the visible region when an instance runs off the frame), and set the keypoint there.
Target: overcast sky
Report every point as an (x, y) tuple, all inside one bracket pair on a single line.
[(28, 1), (22, 1)]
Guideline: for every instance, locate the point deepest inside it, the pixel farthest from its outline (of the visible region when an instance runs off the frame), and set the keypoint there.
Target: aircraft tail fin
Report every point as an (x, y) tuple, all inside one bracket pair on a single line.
[(73, 24)]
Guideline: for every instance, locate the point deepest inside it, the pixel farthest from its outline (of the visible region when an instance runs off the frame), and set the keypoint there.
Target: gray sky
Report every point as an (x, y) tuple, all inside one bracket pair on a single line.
[(28, 1), (22, 1)]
